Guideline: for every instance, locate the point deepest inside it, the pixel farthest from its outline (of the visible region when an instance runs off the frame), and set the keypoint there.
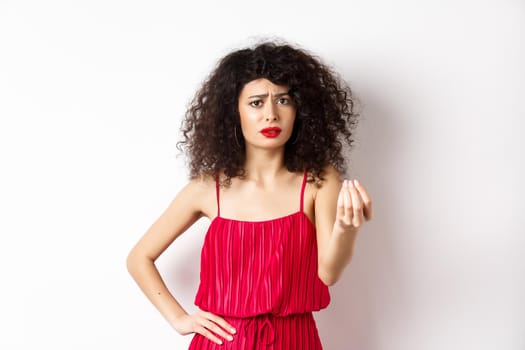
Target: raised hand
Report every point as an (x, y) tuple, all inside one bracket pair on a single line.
[(354, 206), (207, 324)]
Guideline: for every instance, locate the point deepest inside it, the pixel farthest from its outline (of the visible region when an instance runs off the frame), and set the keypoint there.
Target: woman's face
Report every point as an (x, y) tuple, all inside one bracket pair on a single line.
[(267, 114)]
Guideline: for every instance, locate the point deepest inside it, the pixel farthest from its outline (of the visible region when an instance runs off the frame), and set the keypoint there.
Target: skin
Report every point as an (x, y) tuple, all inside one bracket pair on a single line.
[(338, 208)]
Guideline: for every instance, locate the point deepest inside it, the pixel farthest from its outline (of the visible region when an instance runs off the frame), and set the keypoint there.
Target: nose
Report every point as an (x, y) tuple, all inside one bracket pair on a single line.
[(271, 113)]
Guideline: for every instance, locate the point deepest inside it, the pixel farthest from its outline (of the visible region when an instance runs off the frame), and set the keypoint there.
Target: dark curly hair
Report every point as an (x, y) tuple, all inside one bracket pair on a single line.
[(324, 119)]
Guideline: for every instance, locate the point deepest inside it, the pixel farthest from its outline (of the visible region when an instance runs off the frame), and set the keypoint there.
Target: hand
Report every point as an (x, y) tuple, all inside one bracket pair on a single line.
[(207, 324), (354, 206)]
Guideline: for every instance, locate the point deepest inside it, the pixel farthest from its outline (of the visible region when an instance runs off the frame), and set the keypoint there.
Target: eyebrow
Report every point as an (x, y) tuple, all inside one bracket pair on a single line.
[(266, 95)]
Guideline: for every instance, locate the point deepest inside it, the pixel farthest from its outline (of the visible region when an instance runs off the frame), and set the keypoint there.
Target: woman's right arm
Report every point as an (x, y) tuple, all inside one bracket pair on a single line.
[(186, 208)]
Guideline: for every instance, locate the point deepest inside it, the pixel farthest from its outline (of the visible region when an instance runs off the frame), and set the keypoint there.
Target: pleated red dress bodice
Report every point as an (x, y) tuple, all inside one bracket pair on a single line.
[(250, 268)]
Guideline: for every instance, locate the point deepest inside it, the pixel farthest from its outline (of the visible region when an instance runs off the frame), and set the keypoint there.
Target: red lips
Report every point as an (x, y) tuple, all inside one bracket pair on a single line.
[(271, 132)]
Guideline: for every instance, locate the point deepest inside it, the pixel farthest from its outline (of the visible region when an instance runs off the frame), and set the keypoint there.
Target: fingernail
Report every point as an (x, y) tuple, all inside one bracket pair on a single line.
[(356, 182), (230, 338), (233, 330), (219, 342), (350, 184)]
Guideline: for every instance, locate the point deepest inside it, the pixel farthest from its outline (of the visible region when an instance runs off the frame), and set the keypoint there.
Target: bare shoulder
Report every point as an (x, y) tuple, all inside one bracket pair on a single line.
[(325, 203), (200, 194), (190, 203), (321, 193), (331, 182), (201, 184)]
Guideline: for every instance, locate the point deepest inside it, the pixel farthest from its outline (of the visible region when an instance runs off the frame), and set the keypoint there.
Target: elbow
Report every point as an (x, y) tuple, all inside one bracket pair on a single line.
[(133, 262), (329, 279), (136, 261), (330, 271), (130, 263)]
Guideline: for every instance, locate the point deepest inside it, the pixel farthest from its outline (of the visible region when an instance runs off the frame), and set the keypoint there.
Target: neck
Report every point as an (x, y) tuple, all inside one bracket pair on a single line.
[(264, 165)]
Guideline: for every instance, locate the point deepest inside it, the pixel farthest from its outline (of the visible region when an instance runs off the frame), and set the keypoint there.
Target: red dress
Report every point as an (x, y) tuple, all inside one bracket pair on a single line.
[(261, 276)]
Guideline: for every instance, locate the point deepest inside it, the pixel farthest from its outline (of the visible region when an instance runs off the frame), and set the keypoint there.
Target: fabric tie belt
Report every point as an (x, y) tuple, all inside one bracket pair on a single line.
[(259, 330)]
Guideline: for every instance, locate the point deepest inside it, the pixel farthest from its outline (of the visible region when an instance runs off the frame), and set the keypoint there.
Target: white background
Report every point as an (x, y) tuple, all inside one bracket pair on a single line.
[(91, 98)]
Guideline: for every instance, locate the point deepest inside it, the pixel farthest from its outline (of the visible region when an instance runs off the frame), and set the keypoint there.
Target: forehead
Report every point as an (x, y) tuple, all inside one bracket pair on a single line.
[(262, 86)]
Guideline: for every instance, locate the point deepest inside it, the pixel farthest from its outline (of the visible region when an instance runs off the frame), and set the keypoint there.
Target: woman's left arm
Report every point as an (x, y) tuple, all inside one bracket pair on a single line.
[(340, 210)]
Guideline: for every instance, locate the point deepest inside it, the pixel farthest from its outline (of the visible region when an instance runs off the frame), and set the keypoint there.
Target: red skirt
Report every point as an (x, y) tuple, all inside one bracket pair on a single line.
[(268, 332)]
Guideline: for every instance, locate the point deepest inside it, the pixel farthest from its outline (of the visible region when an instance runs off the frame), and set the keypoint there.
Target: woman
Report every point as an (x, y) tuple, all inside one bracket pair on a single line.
[(264, 136)]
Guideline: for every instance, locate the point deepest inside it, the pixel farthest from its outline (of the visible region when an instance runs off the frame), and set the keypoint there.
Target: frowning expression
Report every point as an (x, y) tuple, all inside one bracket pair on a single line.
[(267, 114)]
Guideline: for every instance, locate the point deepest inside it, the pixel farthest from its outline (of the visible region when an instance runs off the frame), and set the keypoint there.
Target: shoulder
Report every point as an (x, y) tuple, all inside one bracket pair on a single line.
[(330, 173), (201, 184), (320, 196), (325, 200), (199, 193), (330, 183)]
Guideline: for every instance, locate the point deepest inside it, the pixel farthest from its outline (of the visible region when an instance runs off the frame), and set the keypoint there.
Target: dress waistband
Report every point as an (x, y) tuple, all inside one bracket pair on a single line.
[(260, 329)]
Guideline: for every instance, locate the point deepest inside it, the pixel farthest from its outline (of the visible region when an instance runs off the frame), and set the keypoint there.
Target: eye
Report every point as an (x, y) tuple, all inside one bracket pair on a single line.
[(256, 103), (284, 100)]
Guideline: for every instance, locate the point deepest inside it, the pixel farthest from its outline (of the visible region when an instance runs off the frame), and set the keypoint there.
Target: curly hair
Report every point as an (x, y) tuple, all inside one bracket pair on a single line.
[(324, 119)]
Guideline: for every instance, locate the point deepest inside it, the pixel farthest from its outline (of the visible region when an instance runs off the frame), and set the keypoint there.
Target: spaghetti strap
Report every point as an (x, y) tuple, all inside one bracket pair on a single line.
[(302, 191), (217, 194)]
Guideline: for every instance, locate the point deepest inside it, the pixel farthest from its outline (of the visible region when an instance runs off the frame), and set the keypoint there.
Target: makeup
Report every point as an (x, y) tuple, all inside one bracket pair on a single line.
[(271, 132)]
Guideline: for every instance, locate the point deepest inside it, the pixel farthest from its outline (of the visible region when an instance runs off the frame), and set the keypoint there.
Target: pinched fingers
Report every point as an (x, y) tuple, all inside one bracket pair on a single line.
[(366, 199), (344, 206), (341, 204), (353, 204), (357, 204)]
